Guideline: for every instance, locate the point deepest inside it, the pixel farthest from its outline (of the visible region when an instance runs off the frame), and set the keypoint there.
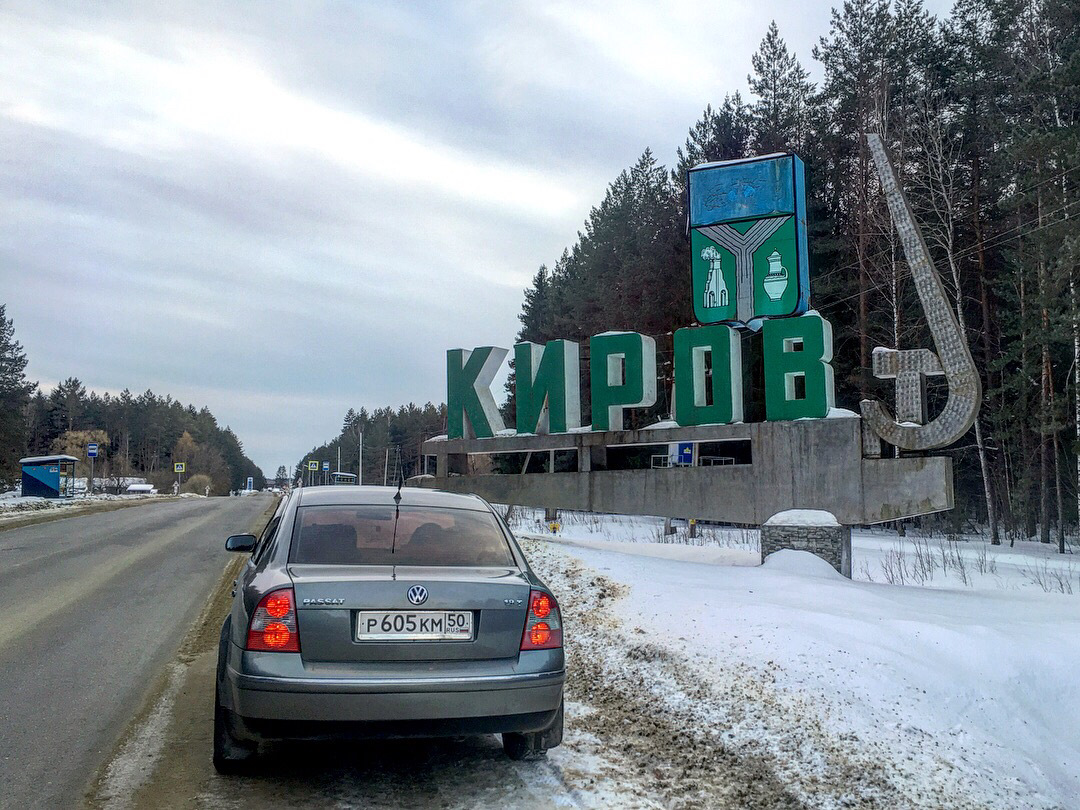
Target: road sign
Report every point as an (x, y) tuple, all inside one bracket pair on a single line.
[(251, 483), (326, 466), (313, 465), (179, 467), (91, 450), (686, 453)]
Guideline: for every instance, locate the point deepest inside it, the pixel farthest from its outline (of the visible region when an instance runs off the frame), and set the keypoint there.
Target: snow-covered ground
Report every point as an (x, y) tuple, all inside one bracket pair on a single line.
[(944, 675), (13, 506)]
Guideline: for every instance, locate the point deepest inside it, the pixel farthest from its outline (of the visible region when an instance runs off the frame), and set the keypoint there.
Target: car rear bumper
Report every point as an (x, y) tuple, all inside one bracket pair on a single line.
[(272, 707)]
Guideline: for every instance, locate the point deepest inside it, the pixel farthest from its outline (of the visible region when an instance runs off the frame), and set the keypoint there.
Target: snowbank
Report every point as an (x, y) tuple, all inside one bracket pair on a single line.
[(960, 682), (703, 555), (13, 507), (801, 563)]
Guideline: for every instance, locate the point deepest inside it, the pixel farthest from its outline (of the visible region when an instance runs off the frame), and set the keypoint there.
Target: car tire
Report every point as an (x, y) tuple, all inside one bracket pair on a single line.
[(230, 754), (518, 746), (528, 746)]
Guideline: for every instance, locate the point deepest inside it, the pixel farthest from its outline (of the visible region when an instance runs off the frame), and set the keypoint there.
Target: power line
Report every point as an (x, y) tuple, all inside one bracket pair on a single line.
[(993, 241), (847, 298), (1017, 193)]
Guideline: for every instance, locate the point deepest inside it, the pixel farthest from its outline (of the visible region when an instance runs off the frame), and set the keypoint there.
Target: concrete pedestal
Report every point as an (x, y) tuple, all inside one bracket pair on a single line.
[(812, 530)]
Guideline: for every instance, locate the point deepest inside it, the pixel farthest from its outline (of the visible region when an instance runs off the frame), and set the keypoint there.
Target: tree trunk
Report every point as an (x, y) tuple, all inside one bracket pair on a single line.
[(1025, 434), (862, 240), (980, 255), (1044, 456), (1044, 393), (1060, 501)]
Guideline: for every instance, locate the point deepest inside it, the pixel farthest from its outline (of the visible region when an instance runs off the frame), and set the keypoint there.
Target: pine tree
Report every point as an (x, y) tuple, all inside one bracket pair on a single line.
[(67, 404), (15, 392), (536, 311), (780, 115), (722, 134), (853, 99)]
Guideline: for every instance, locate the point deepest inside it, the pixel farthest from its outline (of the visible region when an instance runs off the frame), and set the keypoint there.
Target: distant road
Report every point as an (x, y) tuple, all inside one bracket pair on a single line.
[(91, 610)]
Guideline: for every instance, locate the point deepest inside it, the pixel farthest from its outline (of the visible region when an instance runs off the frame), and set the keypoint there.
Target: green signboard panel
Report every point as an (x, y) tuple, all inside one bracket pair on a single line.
[(748, 240)]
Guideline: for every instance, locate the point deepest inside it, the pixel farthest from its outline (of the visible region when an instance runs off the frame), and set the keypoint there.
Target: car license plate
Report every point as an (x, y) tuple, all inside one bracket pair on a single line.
[(417, 625)]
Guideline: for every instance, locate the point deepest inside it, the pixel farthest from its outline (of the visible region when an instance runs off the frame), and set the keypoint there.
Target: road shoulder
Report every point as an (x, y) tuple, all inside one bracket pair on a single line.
[(130, 776)]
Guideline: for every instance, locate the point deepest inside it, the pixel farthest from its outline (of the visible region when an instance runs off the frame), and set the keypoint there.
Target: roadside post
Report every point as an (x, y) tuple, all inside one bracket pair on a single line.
[(91, 453), (312, 467), (325, 472), (179, 467), (360, 464)]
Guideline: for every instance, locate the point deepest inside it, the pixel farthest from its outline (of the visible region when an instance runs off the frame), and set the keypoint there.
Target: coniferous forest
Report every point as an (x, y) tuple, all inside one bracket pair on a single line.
[(981, 114), (139, 435)]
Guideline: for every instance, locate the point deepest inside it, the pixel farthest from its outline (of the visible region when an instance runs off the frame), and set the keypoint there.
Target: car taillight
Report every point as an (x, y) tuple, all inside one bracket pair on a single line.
[(273, 624), (543, 626)]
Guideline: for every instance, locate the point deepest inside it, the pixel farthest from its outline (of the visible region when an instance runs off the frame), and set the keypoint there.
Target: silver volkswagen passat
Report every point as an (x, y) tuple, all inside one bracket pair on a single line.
[(373, 612)]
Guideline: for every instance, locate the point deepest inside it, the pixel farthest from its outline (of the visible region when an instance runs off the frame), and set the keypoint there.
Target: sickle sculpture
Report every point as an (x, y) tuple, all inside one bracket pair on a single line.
[(909, 430)]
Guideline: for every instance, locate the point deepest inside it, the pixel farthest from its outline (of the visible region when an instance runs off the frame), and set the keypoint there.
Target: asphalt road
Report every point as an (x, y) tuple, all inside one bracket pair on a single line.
[(91, 610)]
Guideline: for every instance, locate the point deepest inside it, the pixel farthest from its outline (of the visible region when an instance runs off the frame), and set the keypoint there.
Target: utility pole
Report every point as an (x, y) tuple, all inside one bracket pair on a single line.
[(360, 468), (386, 466)]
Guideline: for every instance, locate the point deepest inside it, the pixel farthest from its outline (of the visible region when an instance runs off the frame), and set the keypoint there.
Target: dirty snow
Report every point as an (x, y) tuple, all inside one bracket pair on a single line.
[(945, 677), (13, 507)]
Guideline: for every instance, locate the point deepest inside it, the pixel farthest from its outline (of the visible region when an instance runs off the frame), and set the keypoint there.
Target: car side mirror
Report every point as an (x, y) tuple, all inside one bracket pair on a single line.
[(241, 542)]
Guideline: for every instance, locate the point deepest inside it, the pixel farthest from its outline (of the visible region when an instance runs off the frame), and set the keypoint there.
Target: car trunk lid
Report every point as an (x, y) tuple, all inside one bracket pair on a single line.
[(330, 598)]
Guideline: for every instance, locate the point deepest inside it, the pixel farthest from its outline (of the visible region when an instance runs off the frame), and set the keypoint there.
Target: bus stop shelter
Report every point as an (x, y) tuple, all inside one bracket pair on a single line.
[(48, 476)]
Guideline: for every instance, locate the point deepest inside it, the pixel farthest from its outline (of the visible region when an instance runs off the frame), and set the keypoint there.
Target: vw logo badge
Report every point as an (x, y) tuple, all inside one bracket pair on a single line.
[(418, 594)]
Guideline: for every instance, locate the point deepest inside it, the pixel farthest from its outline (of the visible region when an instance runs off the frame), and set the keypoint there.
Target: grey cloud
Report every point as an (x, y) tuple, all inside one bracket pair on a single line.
[(271, 279)]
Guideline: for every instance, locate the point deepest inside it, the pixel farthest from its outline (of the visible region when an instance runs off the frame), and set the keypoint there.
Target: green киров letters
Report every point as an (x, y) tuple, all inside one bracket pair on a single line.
[(622, 375), (723, 348), (471, 409), (798, 377), (548, 389)]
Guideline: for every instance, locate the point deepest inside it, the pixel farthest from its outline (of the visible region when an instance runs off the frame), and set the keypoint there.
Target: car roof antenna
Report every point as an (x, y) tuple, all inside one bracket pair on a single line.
[(397, 511)]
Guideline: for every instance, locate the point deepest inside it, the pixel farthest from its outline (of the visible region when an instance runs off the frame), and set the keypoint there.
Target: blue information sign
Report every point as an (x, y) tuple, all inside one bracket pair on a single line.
[(686, 453), (91, 450), (326, 466)]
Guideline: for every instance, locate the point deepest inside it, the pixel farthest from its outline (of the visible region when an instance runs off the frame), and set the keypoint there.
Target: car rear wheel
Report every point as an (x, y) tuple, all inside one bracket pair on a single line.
[(230, 754), (526, 746), (519, 746)]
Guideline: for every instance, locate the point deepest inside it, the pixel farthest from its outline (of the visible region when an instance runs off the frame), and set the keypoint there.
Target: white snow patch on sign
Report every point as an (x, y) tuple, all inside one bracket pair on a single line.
[(803, 517), (841, 413)]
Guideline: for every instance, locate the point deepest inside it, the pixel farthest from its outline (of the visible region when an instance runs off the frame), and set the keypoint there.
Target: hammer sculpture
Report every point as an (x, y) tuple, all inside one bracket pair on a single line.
[(909, 430)]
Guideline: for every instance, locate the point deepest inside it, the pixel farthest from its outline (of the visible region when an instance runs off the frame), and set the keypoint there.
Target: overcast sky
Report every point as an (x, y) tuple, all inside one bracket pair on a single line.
[(284, 210)]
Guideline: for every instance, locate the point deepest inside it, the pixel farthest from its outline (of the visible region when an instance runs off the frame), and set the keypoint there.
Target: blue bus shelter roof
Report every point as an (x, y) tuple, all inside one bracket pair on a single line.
[(46, 459)]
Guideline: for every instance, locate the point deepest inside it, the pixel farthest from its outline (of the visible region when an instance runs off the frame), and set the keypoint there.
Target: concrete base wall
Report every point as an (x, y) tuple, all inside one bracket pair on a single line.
[(813, 463), (831, 543)]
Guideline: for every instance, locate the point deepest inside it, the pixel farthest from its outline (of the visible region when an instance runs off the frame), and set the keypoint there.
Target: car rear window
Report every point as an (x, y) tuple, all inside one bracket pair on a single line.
[(411, 535)]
